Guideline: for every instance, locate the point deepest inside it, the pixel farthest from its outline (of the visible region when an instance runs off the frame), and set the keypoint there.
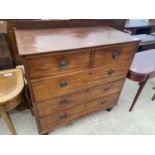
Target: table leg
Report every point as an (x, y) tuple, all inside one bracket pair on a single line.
[(153, 98), (7, 120), (141, 86)]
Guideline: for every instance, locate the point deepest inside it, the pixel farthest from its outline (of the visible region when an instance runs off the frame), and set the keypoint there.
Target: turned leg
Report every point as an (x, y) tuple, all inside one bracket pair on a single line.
[(7, 120), (153, 98), (141, 86)]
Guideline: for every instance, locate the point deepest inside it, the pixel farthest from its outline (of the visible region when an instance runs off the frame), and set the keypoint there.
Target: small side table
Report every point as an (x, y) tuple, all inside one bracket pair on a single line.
[(11, 93), (142, 69)]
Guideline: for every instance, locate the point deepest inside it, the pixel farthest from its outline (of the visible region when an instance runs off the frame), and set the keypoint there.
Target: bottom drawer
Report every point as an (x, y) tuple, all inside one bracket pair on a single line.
[(61, 118), (103, 103)]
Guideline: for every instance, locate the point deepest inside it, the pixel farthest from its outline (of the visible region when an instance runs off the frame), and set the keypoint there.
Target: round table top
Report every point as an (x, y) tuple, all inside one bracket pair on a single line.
[(11, 84), (144, 62)]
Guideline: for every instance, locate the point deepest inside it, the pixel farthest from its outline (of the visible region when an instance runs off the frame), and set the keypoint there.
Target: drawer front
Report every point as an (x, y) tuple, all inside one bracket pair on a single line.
[(62, 85), (62, 118), (52, 64), (87, 95), (103, 103), (113, 55)]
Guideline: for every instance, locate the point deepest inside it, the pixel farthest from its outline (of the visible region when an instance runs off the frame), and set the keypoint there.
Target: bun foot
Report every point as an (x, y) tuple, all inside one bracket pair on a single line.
[(46, 133), (109, 109)]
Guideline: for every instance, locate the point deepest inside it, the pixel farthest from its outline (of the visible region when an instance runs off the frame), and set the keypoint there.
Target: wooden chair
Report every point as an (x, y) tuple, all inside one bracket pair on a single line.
[(11, 89), (142, 69)]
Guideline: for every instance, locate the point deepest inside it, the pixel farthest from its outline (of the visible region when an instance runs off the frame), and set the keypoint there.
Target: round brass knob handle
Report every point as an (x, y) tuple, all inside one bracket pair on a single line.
[(64, 102), (63, 83), (63, 63), (106, 88), (116, 54), (110, 72), (63, 116), (103, 102)]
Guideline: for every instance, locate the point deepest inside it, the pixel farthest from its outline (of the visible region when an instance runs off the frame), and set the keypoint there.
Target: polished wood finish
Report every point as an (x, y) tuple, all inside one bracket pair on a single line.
[(73, 99), (67, 116), (53, 64), (141, 86), (49, 88), (11, 93), (48, 24), (81, 71), (142, 68), (40, 41), (114, 55)]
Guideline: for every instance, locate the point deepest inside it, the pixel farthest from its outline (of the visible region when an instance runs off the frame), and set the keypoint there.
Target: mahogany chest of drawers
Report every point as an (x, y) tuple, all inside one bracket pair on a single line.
[(73, 72)]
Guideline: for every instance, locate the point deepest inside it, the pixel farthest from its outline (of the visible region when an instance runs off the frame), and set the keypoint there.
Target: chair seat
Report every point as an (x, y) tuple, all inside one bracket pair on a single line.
[(11, 84), (143, 66)]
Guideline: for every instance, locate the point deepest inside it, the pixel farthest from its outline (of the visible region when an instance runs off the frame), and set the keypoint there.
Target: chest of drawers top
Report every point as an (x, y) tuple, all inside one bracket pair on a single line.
[(39, 41)]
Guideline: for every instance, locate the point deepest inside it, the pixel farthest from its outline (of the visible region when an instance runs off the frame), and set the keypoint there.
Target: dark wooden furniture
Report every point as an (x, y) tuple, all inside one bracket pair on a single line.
[(140, 26), (147, 41), (5, 57), (73, 72), (142, 69), (46, 24)]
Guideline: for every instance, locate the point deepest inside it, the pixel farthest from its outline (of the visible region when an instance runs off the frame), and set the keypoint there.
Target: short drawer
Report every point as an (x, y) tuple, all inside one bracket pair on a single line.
[(71, 100), (114, 55), (61, 118), (53, 64), (58, 86), (103, 103)]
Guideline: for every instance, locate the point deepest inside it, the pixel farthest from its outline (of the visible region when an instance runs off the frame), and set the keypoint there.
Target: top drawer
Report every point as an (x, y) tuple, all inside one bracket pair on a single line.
[(114, 55), (52, 64)]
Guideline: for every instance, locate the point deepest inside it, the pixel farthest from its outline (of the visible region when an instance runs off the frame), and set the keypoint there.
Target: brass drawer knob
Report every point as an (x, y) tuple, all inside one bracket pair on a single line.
[(103, 102), (106, 88), (63, 83), (116, 54), (111, 72), (64, 102), (63, 116), (63, 63)]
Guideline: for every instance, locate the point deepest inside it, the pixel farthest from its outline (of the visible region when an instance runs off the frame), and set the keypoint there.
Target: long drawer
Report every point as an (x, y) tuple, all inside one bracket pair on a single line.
[(53, 64), (71, 100), (57, 86), (62, 118)]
